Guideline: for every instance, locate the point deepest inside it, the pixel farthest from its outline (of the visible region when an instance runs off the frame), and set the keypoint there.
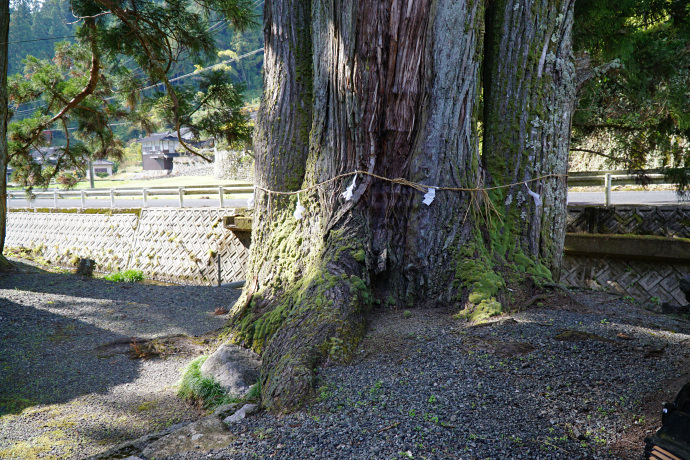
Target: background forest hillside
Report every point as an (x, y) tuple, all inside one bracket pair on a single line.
[(36, 26)]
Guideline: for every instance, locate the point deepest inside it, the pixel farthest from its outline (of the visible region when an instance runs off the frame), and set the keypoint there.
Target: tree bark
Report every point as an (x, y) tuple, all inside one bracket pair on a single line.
[(393, 89), (4, 38), (529, 94)]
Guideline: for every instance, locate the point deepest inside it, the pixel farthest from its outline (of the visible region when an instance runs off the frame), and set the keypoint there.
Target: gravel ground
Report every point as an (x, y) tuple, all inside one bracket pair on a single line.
[(562, 380), (68, 386)]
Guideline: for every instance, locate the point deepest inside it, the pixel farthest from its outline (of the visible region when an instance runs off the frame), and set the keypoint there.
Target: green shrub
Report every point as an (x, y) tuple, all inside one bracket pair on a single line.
[(201, 391), (128, 276)]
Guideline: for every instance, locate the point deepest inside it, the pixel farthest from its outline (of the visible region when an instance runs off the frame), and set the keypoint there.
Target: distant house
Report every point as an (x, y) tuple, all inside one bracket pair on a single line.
[(45, 155), (159, 149), (101, 166)]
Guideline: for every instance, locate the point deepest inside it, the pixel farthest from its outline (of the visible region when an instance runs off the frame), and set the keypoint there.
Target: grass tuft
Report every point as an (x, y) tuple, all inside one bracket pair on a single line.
[(254, 393), (202, 391), (128, 276)]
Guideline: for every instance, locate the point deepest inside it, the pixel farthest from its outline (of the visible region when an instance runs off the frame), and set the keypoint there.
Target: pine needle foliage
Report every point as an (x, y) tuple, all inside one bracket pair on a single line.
[(89, 84)]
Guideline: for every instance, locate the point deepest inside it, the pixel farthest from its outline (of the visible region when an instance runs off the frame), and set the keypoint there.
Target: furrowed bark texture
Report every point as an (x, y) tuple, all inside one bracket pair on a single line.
[(285, 117), (395, 91), (4, 34), (530, 96), (391, 88)]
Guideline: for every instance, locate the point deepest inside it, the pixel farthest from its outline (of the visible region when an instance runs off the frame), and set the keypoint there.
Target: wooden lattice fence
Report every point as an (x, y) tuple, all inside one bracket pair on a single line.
[(166, 244)]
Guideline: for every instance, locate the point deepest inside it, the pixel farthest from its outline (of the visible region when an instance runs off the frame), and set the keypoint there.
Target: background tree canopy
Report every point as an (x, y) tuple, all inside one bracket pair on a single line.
[(102, 78), (638, 103), (636, 107), (36, 28)]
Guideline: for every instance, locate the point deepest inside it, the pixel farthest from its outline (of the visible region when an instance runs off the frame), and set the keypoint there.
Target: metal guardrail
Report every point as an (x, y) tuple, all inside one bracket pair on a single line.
[(604, 179), (616, 177), (144, 193)]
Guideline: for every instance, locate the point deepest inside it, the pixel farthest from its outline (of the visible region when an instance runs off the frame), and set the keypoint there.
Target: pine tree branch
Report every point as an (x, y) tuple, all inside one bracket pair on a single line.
[(601, 154), (584, 71), (88, 89), (93, 76)]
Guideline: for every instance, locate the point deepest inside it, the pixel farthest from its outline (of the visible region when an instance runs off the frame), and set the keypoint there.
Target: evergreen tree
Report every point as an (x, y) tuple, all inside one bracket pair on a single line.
[(395, 90), (21, 33), (77, 86), (640, 53)]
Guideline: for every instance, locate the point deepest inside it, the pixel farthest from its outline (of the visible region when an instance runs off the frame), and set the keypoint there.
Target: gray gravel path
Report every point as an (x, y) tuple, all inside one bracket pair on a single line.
[(563, 382), (558, 381), (68, 387)]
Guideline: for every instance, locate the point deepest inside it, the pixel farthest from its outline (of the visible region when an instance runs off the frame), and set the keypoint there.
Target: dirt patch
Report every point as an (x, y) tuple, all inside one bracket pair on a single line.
[(160, 347), (579, 336), (87, 363), (648, 419)]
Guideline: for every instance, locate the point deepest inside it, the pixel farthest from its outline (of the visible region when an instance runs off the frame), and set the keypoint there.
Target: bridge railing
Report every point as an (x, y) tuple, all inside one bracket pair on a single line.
[(605, 179), (144, 192)]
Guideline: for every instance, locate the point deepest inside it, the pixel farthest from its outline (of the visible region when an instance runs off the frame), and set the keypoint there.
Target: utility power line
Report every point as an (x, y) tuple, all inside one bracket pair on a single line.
[(228, 61), (40, 39)]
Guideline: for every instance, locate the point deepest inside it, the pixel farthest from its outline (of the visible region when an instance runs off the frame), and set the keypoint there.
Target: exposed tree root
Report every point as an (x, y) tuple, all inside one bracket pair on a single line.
[(6, 264), (313, 334), (533, 300), (565, 291)]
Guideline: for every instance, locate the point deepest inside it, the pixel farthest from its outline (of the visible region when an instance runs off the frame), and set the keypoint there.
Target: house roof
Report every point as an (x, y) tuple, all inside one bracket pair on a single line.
[(102, 162), (168, 136), (44, 153), (158, 137)]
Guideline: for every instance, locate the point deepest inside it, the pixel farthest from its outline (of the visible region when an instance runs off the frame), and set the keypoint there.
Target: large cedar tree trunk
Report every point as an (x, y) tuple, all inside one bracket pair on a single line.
[(394, 88), (4, 35)]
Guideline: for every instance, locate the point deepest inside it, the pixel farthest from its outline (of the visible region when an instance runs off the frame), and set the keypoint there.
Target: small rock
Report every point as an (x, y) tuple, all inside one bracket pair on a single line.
[(247, 409), (235, 369), (227, 410), (86, 267)]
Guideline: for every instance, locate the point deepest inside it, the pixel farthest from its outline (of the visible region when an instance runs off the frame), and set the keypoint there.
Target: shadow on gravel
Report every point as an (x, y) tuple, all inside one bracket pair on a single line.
[(47, 358), (160, 304)]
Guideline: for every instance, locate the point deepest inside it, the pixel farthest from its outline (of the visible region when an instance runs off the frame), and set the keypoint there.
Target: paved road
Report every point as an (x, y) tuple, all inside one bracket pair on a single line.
[(574, 198), (625, 198)]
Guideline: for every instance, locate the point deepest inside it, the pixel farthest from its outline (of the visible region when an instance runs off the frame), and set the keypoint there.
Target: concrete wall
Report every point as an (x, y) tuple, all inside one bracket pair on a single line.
[(234, 165), (175, 245), (636, 251), (189, 166), (179, 245)]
